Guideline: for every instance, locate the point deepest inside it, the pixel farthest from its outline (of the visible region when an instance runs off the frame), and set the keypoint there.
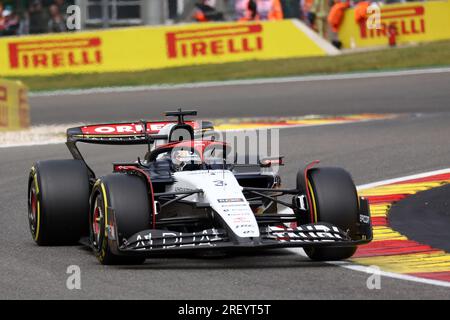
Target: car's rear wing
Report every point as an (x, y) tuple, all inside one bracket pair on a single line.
[(127, 133)]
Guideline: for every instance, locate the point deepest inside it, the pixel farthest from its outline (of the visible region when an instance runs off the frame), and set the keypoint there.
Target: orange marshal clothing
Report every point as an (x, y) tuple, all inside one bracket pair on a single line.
[(361, 11), (200, 16), (336, 15)]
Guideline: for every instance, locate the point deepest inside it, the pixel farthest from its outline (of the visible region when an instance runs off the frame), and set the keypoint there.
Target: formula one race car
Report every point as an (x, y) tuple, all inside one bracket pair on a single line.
[(184, 196)]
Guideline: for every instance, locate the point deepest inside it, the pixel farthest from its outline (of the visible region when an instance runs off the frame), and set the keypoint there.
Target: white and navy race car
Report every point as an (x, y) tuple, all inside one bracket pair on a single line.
[(185, 196)]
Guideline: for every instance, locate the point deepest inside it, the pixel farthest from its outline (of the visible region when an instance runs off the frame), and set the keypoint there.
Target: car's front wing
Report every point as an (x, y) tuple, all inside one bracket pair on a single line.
[(155, 241)]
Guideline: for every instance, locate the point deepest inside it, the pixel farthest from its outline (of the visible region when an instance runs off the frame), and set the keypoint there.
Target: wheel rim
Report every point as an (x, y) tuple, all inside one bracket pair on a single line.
[(97, 224), (32, 210)]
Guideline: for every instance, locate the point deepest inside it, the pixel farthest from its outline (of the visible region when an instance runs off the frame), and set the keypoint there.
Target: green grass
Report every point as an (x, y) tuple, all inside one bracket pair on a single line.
[(420, 56)]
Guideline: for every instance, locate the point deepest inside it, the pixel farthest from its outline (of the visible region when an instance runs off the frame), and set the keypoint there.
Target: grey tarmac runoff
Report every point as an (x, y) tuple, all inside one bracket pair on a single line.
[(414, 142)]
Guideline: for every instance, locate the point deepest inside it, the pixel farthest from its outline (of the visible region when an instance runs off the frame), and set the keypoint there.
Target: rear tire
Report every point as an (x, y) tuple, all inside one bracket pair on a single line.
[(58, 202), (128, 197), (335, 199)]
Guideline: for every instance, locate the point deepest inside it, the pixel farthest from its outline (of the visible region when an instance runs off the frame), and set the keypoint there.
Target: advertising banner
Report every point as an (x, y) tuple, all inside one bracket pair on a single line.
[(411, 21), (14, 108), (142, 48)]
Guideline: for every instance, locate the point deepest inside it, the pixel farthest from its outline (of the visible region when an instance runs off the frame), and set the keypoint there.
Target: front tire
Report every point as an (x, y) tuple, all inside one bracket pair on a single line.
[(335, 200), (128, 197)]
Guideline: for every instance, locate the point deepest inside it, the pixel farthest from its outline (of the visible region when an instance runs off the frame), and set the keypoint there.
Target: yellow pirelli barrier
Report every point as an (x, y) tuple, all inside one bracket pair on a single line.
[(412, 21), (141, 48), (14, 108)]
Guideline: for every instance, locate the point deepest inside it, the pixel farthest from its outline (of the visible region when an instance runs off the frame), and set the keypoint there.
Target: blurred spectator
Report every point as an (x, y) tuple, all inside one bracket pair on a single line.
[(320, 8), (205, 11), (172, 7), (336, 14), (335, 18), (38, 18), (245, 10), (269, 10), (2, 19), (291, 9), (9, 21), (361, 12), (62, 7), (324, 16), (57, 22), (12, 23), (308, 14), (258, 10)]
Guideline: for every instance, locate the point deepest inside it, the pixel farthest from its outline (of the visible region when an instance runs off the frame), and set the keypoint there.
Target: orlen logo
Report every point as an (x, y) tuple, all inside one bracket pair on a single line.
[(57, 53), (406, 20), (130, 128), (214, 41), (127, 128)]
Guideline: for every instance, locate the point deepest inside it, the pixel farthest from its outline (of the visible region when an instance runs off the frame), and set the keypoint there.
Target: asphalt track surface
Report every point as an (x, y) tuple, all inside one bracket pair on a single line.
[(415, 142), (424, 217)]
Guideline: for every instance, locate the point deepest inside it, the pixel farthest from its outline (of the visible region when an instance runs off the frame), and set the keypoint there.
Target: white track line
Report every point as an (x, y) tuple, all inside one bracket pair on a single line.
[(367, 269), (401, 179), (344, 76)]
